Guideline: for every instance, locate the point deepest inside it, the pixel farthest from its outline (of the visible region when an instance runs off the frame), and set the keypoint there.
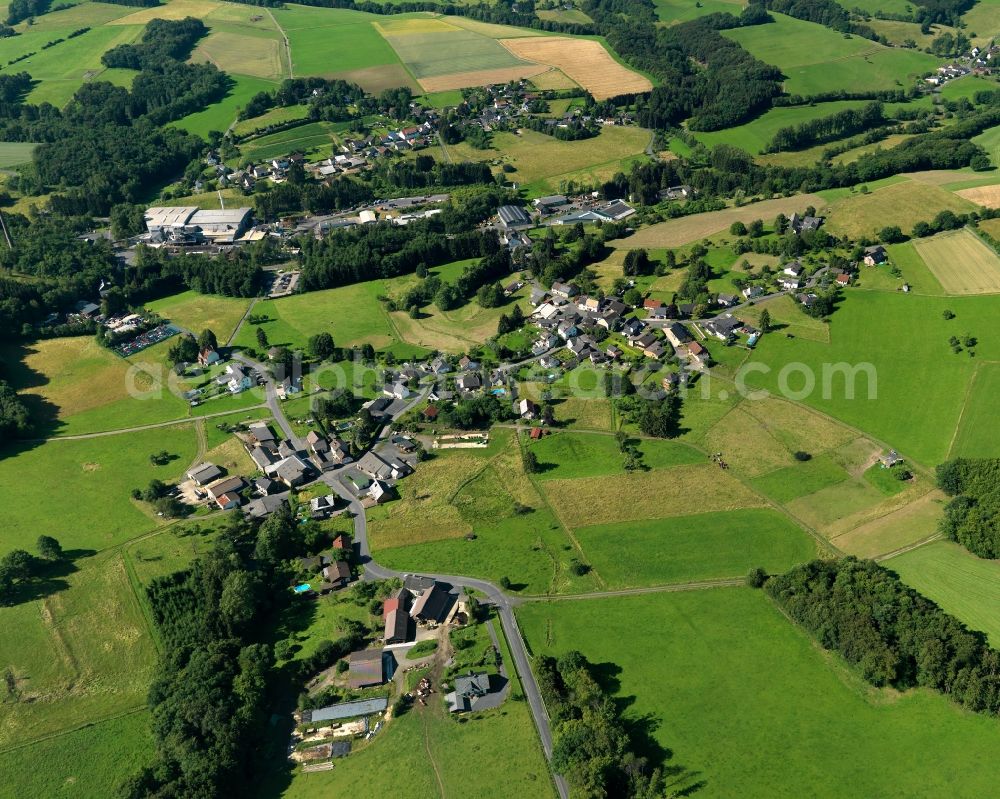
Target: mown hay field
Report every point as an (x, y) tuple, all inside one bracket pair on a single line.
[(902, 204), (680, 491), (962, 262), (261, 56), (196, 312), (584, 60), (677, 232)]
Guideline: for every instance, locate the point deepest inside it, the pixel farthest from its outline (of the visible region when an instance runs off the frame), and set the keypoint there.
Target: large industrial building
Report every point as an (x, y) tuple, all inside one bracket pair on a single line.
[(192, 224)]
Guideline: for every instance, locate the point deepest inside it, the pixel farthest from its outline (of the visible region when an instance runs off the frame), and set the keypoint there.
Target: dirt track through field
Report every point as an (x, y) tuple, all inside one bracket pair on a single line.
[(677, 232), (584, 61)]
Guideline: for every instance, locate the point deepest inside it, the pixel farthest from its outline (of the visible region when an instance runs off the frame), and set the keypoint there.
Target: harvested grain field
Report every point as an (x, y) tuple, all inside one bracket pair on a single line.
[(377, 79), (483, 77), (584, 61), (243, 55), (678, 491), (677, 232), (987, 196), (961, 262)]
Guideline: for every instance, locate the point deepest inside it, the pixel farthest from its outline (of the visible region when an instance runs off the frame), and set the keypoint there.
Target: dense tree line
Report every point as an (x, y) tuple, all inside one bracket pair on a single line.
[(822, 12), (162, 40), (109, 144), (478, 412), (370, 252), (704, 76), (829, 128), (20, 10), (209, 701), (972, 516), (14, 419), (890, 633), (592, 747)]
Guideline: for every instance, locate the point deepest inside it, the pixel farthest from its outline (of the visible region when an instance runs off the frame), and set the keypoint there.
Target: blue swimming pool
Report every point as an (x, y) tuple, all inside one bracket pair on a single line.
[(302, 588)]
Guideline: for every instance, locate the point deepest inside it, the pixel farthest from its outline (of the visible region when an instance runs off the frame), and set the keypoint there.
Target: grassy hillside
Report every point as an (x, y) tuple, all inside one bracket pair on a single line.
[(729, 689)]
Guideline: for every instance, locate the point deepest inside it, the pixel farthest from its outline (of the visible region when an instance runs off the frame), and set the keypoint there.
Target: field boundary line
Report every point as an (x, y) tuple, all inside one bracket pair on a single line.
[(140, 428), (910, 547), (965, 406), (75, 728), (694, 585), (288, 45)]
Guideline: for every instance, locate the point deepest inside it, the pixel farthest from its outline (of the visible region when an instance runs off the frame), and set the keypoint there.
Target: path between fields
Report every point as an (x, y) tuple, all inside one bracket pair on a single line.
[(139, 428), (697, 585)]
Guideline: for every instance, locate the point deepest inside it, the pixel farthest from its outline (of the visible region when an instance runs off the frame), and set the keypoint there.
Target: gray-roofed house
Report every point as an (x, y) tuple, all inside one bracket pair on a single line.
[(470, 690), (723, 327), (265, 506), (677, 334), (261, 433), (291, 471), (338, 573), (316, 442), (264, 458)]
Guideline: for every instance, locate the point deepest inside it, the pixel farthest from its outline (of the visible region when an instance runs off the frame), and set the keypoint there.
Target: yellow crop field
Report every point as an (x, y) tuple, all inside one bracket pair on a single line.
[(480, 77), (988, 196), (961, 262), (584, 61), (175, 9)]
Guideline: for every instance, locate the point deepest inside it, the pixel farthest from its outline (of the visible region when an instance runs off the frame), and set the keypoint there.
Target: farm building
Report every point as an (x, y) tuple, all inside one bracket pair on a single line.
[(513, 216), (346, 710), (366, 668)]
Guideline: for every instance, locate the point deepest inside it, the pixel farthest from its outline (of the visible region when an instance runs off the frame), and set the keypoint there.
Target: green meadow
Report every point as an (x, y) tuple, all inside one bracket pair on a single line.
[(79, 652), (89, 763), (751, 707), (978, 434), (964, 585), (701, 547), (817, 59), (567, 455), (219, 116), (87, 481), (920, 385)]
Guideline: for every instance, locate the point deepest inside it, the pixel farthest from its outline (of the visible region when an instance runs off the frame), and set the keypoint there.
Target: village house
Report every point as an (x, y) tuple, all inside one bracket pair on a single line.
[(843, 279), (804, 224), (677, 334), (793, 269), (699, 355), (265, 506), (471, 692), (789, 283), (724, 327), (208, 356), (383, 468), (726, 300), (291, 471), (875, 255), (564, 290), (752, 292), (228, 485), (469, 382), (338, 574)]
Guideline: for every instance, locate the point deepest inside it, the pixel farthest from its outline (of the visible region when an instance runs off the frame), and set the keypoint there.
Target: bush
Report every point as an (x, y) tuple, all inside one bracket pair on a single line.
[(802, 456), (756, 577)]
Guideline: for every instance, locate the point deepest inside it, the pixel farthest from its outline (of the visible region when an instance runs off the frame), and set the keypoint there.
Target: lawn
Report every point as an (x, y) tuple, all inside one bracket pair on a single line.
[(571, 455), (543, 162), (87, 481), (89, 763), (902, 204), (219, 116), (673, 11), (699, 547), (706, 672), (195, 312), (964, 585), (816, 59), (79, 652), (916, 396)]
